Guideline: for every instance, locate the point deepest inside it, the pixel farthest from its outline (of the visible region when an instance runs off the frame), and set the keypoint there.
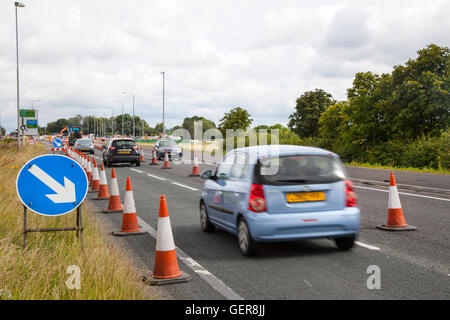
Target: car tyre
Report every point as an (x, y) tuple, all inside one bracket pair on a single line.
[(206, 225), (138, 164), (345, 243), (108, 163), (247, 245)]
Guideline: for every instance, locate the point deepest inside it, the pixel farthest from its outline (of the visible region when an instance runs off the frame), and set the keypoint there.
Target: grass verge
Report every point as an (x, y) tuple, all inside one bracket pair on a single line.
[(377, 166), (40, 270)]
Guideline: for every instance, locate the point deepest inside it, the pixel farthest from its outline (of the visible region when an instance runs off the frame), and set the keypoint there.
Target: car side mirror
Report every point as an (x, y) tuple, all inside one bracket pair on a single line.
[(207, 174)]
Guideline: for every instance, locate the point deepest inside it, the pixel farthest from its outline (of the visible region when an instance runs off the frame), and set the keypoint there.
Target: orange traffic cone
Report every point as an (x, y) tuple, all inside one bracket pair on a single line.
[(83, 162), (114, 204), (103, 193), (142, 154), (395, 221), (130, 224), (95, 186), (195, 171), (166, 161), (154, 160), (166, 268)]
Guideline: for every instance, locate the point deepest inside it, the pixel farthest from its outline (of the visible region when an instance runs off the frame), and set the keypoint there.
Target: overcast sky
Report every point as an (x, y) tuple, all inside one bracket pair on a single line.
[(78, 56)]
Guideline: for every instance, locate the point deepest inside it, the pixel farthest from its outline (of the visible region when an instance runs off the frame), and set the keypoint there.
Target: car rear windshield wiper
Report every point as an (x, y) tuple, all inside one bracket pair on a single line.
[(294, 180)]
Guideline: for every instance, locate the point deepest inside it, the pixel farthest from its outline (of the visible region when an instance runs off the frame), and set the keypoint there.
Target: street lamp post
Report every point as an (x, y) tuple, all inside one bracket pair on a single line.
[(122, 112), (164, 128), (132, 94), (18, 5)]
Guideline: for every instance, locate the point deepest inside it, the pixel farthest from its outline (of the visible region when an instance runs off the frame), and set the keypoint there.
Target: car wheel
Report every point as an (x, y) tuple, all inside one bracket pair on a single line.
[(92, 152), (138, 164), (345, 243), (206, 225), (246, 244), (108, 163)]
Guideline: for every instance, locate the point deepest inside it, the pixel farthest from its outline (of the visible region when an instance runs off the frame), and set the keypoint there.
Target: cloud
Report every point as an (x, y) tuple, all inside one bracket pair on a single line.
[(78, 56)]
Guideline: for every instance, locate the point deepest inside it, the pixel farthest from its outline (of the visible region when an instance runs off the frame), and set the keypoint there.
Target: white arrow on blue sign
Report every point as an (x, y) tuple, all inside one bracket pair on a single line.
[(52, 185), (57, 143)]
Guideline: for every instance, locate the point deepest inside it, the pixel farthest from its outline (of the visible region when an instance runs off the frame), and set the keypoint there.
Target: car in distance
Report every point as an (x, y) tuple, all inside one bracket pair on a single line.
[(84, 145), (299, 193), (173, 150), (121, 150)]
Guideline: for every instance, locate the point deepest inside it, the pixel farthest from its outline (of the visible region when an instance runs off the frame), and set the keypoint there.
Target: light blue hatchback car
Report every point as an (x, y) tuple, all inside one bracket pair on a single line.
[(280, 193)]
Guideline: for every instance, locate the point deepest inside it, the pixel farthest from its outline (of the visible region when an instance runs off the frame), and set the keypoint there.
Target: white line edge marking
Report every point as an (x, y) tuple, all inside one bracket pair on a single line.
[(184, 186), (400, 184), (407, 194), (156, 177), (211, 279), (136, 170), (361, 244)]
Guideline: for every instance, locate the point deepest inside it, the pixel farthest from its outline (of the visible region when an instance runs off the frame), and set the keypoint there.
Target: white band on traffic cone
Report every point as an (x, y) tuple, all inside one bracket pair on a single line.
[(128, 202), (114, 188), (95, 175), (394, 199), (103, 180), (164, 237)]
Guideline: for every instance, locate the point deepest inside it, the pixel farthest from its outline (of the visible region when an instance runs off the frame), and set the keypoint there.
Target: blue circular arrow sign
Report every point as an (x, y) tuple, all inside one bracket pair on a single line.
[(57, 143), (52, 185)]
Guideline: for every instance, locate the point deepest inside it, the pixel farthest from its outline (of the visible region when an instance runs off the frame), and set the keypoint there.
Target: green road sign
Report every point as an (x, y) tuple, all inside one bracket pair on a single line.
[(27, 113)]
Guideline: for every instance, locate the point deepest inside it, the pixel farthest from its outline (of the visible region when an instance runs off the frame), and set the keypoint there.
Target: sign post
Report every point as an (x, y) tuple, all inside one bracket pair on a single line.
[(52, 185)]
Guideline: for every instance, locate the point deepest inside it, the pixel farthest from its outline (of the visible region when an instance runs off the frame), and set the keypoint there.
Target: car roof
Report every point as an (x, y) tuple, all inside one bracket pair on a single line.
[(283, 150), (116, 139)]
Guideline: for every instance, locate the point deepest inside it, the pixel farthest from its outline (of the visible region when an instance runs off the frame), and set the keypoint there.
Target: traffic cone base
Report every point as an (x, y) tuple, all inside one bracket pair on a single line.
[(152, 281), (395, 221)]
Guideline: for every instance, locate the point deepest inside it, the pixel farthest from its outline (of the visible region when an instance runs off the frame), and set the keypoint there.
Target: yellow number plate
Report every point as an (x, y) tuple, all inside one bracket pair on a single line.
[(305, 196), (124, 152)]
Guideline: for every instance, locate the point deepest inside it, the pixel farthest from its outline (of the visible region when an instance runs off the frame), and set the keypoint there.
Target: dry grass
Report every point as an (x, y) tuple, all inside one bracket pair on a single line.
[(39, 271)]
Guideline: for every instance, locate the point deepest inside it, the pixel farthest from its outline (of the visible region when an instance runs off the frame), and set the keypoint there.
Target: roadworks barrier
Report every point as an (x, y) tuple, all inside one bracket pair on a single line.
[(195, 170), (95, 186), (166, 269), (114, 204), (154, 160), (166, 161), (395, 221), (130, 224), (103, 193)]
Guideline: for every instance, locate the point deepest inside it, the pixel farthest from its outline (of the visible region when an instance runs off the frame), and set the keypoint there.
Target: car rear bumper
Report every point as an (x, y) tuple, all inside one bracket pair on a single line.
[(170, 154), (127, 158), (91, 150), (266, 227)]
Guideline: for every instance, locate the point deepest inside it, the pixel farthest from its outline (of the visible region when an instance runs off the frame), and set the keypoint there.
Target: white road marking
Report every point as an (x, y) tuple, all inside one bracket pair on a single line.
[(361, 244), (184, 186), (136, 170), (402, 184), (407, 194), (156, 177), (211, 279)]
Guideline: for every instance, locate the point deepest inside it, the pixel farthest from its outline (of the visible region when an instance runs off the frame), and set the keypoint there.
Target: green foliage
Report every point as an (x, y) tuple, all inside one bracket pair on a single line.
[(235, 119), (188, 124), (2, 131), (305, 120)]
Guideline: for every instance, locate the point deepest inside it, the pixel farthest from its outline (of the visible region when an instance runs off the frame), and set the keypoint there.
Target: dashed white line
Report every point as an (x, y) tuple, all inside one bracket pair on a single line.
[(407, 194), (156, 177), (184, 186), (361, 244), (136, 170)]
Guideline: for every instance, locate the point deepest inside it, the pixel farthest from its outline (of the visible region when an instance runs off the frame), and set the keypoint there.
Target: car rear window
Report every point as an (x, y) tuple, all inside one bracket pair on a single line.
[(84, 142), (123, 144), (299, 169), (167, 143)]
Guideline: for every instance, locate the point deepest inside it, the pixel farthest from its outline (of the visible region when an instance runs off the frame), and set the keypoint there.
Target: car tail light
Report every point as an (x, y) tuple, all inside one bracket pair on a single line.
[(91, 145), (112, 148), (135, 148), (350, 194), (257, 200)]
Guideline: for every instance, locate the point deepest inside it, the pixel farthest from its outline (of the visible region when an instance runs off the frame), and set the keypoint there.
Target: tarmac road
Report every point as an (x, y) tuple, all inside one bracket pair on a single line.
[(413, 265)]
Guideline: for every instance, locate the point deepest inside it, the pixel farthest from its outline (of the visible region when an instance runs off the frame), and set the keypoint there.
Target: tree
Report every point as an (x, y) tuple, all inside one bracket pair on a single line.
[(188, 124), (2, 131), (420, 93), (304, 121), (235, 119)]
